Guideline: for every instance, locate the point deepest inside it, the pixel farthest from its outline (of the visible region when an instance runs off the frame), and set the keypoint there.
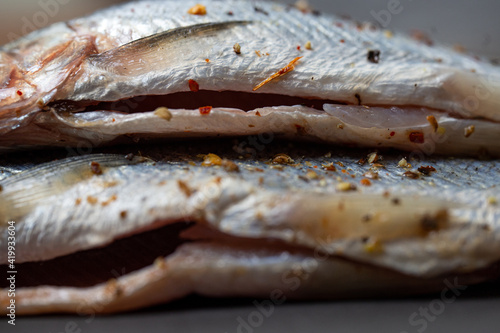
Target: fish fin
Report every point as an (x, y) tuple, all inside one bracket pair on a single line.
[(24, 191), (24, 93), (143, 55)]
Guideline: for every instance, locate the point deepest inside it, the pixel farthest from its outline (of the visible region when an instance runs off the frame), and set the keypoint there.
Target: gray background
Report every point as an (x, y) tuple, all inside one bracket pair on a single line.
[(473, 24)]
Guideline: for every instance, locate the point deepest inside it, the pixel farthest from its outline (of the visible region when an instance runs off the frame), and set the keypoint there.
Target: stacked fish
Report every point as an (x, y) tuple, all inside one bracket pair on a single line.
[(350, 161)]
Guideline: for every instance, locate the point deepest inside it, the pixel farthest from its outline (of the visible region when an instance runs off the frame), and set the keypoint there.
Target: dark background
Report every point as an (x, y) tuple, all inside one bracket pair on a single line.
[(472, 24)]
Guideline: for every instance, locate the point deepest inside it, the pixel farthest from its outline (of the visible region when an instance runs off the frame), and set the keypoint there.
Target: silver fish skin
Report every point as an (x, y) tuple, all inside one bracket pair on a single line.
[(113, 55)]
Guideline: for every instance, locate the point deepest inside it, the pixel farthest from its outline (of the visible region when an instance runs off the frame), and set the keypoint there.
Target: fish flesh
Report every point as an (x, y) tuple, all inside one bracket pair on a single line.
[(106, 231), (99, 80)]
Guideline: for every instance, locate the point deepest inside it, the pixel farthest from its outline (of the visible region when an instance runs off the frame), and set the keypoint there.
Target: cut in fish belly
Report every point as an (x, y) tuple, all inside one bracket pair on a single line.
[(112, 56), (401, 235)]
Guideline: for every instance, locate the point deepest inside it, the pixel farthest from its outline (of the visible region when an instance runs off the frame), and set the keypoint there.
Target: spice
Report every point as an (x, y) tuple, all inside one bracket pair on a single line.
[(373, 56), (426, 170), (193, 86), (229, 166), (416, 137), (411, 174), (432, 120), (311, 175), (281, 72), (329, 167), (371, 175), (365, 182), (282, 159), (344, 186), (373, 158), (184, 188), (469, 130), (205, 109), (237, 48), (211, 160), (163, 113), (96, 168), (403, 163), (198, 10), (92, 200)]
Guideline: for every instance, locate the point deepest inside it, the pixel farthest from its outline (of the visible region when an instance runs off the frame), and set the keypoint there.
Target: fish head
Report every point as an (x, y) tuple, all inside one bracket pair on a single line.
[(32, 74)]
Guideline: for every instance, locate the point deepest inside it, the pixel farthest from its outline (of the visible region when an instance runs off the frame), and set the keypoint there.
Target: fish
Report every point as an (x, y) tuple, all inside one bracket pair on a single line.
[(100, 79), (176, 220), (330, 179)]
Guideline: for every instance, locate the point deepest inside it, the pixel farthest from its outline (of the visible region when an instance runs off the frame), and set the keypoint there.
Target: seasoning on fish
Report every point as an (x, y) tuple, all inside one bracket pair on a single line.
[(412, 174), (282, 159), (198, 10), (237, 48), (229, 165), (211, 160), (469, 130), (426, 170), (432, 120), (373, 56), (288, 68), (345, 186), (416, 137), (163, 113), (95, 168), (193, 86), (204, 110)]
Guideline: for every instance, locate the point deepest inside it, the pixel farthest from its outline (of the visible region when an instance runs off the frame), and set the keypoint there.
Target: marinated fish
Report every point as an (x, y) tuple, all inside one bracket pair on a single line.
[(100, 79), (251, 215), (313, 223)]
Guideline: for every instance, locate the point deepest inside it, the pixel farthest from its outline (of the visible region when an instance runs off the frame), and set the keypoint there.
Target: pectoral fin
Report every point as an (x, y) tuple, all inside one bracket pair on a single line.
[(162, 49)]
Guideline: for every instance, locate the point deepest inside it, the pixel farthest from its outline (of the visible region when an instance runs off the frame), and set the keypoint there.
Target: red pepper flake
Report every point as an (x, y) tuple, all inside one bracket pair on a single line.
[(342, 40), (339, 24), (205, 109), (426, 170), (288, 68), (393, 133), (298, 48), (19, 92), (207, 60), (416, 137), (258, 114), (365, 182), (194, 86)]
